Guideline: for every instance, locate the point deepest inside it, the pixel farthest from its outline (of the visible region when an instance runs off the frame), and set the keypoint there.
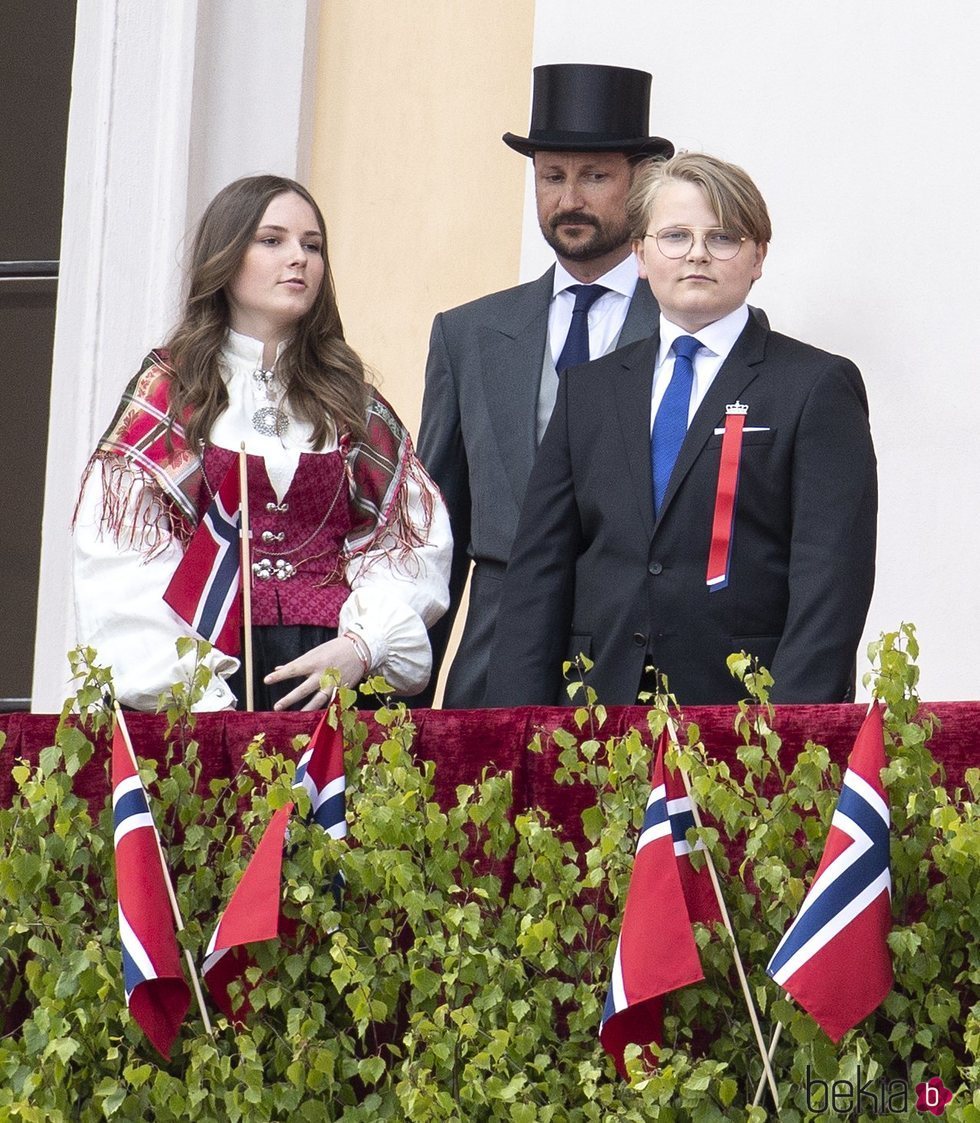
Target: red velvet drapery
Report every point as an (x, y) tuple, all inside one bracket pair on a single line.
[(464, 742)]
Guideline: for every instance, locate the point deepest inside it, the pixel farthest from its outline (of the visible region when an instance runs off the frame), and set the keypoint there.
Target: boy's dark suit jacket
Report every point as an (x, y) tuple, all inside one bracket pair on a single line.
[(592, 571)]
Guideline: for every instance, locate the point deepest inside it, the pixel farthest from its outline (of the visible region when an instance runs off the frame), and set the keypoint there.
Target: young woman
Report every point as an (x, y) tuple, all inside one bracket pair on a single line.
[(350, 537)]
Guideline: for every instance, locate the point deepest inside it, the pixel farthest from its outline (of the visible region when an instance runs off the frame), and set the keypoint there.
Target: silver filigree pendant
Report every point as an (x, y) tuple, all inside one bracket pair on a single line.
[(270, 421)]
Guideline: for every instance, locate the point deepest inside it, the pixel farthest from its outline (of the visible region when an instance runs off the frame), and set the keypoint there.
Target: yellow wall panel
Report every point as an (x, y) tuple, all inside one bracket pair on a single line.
[(423, 201)]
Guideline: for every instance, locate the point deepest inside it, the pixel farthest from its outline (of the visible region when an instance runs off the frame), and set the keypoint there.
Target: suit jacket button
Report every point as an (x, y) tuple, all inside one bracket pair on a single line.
[(639, 639), (656, 568)]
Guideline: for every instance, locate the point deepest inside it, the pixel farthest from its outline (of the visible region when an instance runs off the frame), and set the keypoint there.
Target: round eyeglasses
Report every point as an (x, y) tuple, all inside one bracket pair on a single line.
[(676, 241)]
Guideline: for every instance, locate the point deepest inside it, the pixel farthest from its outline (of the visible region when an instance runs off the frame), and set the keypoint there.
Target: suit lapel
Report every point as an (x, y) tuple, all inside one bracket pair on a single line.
[(642, 317), (737, 371), (632, 396), (512, 355)]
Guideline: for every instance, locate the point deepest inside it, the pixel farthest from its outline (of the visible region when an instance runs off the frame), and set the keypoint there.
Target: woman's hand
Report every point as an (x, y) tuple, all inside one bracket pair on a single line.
[(336, 654)]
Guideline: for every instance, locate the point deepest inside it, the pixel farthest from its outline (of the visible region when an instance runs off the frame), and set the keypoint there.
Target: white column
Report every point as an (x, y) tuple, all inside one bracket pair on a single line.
[(169, 102)]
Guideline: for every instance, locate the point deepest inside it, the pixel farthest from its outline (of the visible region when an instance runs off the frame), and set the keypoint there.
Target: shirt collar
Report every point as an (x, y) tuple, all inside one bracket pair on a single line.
[(247, 350), (718, 337), (621, 278)]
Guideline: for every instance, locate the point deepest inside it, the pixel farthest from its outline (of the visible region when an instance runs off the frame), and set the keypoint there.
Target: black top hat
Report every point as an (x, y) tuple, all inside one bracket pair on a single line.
[(581, 107)]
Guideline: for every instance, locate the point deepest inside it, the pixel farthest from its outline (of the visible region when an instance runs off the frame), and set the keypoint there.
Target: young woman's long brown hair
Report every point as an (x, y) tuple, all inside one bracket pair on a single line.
[(323, 376)]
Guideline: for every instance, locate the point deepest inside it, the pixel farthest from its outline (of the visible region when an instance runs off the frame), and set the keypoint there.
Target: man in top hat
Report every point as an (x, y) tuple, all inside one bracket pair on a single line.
[(492, 371)]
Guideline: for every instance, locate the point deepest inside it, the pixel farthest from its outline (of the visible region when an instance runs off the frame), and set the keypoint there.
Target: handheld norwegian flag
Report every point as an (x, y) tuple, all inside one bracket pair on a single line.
[(656, 952), (156, 992), (205, 586), (254, 911), (834, 957)]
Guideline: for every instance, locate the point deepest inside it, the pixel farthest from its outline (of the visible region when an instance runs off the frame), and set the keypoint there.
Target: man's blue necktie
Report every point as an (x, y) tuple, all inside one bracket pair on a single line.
[(670, 424), (576, 349)]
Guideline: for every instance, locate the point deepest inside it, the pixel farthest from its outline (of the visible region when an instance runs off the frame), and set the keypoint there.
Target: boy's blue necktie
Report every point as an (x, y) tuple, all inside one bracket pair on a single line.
[(670, 424)]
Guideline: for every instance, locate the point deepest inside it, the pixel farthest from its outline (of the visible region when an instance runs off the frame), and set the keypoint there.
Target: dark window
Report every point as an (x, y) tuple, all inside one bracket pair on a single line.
[(36, 49)]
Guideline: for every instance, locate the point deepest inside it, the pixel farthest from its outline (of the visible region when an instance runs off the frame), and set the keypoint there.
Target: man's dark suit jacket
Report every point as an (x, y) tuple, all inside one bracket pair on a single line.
[(477, 440), (593, 572)]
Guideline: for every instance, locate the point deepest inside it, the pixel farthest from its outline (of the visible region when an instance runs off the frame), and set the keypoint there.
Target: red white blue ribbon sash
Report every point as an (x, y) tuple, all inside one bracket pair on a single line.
[(723, 523)]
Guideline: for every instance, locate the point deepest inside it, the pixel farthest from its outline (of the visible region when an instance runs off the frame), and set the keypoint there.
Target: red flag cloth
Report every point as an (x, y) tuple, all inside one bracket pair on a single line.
[(204, 589), (656, 952), (834, 958), (157, 993), (254, 911), (252, 914)]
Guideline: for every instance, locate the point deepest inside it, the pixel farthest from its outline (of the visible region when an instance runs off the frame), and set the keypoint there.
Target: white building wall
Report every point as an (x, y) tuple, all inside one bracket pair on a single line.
[(857, 120)]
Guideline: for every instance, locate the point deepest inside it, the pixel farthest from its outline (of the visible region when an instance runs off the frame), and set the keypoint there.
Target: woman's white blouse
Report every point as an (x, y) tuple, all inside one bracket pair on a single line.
[(119, 606)]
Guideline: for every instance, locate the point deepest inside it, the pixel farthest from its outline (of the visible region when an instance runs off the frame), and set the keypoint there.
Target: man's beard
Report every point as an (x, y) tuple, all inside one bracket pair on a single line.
[(601, 241)]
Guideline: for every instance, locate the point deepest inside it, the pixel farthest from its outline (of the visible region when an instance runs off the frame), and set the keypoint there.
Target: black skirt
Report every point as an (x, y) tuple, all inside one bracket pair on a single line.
[(273, 645)]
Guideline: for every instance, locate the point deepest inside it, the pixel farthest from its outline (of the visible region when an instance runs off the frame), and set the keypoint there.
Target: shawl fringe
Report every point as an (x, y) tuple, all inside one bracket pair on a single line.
[(379, 469), (133, 503)]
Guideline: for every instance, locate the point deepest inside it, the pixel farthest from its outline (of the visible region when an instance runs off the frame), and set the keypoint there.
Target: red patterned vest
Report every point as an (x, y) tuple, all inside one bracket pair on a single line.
[(297, 576)]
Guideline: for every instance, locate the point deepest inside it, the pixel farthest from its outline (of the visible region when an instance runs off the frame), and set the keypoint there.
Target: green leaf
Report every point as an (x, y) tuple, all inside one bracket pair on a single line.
[(371, 1069)]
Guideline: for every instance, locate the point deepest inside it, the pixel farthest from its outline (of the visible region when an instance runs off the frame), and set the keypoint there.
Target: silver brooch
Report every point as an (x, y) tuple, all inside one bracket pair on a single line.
[(270, 421)]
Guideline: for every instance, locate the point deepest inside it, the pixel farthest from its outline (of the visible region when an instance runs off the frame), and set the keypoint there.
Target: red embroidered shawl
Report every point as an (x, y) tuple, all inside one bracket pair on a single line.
[(137, 439)]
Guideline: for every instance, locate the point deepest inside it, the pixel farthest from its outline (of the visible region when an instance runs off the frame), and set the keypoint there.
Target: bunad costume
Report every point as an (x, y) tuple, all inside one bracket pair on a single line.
[(353, 537)]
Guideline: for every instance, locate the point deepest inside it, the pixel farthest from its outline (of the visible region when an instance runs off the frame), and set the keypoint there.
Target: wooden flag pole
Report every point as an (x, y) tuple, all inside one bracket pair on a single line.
[(195, 980), (246, 577), (774, 1041), (779, 1025), (743, 981)]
